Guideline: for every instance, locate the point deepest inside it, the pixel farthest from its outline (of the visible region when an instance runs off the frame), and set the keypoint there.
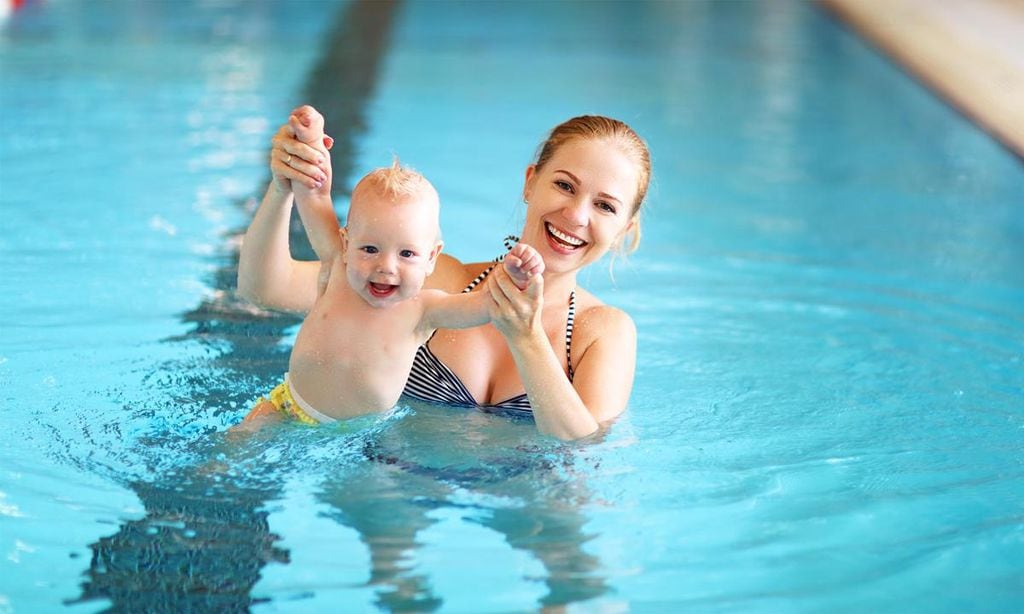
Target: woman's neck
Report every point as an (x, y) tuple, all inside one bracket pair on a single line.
[(558, 286)]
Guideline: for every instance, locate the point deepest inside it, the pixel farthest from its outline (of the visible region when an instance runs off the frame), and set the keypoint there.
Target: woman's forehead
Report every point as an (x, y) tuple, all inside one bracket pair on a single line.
[(598, 161)]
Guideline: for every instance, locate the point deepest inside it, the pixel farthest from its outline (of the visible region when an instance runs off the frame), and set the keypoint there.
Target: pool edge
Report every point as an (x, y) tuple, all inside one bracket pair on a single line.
[(979, 70)]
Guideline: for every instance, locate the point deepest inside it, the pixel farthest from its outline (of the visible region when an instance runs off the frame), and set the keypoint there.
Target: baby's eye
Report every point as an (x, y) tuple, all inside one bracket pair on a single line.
[(603, 206), (369, 249), (407, 253), (564, 185)]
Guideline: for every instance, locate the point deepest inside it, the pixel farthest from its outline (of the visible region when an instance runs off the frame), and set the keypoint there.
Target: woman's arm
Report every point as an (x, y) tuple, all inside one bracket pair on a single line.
[(267, 273), (602, 378)]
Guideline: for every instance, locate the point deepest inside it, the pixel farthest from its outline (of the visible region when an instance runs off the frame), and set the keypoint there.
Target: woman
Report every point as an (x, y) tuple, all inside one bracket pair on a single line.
[(554, 349)]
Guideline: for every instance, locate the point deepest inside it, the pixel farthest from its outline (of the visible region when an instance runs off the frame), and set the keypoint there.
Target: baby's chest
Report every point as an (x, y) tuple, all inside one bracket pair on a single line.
[(341, 336)]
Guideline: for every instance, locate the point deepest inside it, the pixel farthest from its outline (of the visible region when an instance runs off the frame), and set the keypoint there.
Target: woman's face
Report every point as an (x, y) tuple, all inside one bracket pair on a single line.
[(579, 203)]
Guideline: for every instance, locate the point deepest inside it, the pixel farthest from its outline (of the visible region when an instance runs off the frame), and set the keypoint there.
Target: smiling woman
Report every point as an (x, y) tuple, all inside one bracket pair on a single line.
[(583, 195)]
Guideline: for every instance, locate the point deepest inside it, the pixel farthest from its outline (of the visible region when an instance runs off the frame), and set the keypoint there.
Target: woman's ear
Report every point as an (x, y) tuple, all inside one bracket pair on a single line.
[(631, 226), (531, 172)]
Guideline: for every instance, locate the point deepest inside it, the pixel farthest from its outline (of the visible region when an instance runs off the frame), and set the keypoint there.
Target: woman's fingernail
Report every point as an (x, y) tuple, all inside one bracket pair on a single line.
[(319, 184)]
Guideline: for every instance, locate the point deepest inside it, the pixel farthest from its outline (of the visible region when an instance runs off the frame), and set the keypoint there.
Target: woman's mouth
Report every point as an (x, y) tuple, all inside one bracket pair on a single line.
[(381, 290), (562, 241)]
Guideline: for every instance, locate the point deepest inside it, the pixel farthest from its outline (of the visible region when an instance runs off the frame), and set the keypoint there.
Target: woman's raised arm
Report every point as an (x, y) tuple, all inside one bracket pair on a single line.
[(267, 273)]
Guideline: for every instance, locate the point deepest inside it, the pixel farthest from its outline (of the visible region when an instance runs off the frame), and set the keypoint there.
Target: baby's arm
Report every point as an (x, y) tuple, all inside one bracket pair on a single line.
[(521, 263), (462, 310), (469, 309), (314, 204)]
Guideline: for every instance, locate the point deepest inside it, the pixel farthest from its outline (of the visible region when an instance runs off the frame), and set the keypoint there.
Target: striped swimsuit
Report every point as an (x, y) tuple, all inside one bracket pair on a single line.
[(431, 380)]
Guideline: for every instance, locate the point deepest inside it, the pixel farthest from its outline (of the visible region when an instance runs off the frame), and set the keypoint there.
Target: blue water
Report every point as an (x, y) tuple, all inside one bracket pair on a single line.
[(828, 406)]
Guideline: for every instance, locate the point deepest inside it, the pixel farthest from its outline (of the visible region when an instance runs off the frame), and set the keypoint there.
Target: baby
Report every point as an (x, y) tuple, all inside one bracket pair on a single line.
[(355, 348)]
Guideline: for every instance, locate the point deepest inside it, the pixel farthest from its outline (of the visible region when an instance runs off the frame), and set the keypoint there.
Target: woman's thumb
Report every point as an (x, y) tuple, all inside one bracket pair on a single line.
[(535, 287)]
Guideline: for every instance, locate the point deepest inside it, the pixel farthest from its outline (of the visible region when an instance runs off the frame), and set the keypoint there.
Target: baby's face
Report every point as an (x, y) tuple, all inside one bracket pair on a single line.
[(391, 249)]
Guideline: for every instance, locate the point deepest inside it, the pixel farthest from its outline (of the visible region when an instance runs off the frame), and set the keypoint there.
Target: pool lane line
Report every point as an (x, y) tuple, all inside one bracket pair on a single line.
[(340, 85)]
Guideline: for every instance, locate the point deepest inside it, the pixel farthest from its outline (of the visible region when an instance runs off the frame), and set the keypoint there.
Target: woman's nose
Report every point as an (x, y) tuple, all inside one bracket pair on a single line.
[(576, 212)]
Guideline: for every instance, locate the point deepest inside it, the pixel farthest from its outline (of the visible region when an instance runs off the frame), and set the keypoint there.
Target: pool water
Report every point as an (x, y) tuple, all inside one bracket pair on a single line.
[(829, 404)]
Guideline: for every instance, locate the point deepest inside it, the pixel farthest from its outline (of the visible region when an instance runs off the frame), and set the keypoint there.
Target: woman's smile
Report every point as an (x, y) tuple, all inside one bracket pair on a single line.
[(561, 241)]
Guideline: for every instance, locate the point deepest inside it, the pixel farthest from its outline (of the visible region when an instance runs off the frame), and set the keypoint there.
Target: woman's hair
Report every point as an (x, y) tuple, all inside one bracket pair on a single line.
[(598, 127)]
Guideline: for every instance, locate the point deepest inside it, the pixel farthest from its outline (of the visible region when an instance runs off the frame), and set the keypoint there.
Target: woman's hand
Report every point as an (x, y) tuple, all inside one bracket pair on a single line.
[(293, 160), (515, 313)]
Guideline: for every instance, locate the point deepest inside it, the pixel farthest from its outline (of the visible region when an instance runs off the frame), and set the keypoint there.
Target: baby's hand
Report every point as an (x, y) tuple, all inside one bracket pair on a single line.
[(523, 262), (308, 125)]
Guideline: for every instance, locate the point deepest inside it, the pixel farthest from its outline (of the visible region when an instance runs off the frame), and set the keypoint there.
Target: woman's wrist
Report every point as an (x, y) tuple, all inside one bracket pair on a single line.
[(530, 342), (280, 191)]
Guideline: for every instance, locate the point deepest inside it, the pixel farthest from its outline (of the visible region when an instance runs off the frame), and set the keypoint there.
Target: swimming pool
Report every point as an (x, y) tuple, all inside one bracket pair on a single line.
[(827, 412)]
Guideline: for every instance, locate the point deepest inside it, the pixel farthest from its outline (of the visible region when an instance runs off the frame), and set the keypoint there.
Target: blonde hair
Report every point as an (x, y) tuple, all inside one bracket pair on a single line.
[(598, 127), (394, 181)]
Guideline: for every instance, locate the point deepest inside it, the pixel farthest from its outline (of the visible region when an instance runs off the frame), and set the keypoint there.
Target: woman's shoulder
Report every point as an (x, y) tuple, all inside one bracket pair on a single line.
[(596, 319)]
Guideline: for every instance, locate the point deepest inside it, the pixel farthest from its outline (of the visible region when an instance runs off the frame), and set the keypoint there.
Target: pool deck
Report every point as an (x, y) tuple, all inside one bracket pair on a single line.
[(970, 51)]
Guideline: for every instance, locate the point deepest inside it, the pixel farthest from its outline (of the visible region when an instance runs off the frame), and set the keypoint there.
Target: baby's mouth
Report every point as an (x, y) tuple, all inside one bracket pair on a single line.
[(381, 290), (565, 240)]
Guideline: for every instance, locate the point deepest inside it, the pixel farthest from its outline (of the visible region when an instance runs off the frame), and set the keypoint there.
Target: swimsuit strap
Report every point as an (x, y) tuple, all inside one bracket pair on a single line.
[(568, 333), (479, 278), (510, 242)]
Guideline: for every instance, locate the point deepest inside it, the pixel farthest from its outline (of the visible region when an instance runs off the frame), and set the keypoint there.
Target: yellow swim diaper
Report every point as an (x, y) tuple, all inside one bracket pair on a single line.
[(290, 404)]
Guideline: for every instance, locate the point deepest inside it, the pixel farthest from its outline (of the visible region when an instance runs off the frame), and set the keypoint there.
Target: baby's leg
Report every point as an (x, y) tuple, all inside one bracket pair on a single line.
[(261, 415)]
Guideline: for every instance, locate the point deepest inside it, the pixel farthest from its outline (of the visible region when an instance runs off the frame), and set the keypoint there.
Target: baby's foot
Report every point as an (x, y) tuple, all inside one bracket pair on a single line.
[(523, 262), (308, 125)]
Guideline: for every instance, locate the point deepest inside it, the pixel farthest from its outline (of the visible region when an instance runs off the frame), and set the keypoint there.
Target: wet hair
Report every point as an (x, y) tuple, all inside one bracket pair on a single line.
[(598, 127), (394, 181)]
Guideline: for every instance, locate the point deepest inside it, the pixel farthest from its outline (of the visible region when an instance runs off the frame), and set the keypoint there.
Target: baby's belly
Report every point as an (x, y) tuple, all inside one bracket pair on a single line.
[(342, 375)]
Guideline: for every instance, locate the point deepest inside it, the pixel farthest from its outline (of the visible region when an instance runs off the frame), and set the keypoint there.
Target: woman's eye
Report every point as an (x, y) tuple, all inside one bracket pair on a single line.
[(407, 253), (564, 185), (610, 208)]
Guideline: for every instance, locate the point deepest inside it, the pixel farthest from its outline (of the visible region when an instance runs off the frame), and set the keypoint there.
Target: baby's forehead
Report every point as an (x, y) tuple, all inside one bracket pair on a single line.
[(409, 215)]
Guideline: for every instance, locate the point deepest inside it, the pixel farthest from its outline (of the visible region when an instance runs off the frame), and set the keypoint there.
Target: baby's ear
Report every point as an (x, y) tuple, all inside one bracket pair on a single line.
[(434, 253), (343, 233)]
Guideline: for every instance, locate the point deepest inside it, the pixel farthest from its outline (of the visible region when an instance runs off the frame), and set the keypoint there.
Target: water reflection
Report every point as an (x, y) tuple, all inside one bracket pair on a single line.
[(200, 546), (532, 496), (205, 536)]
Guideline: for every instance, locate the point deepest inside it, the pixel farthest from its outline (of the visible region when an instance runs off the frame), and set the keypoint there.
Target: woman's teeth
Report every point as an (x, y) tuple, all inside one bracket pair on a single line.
[(564, 238)]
